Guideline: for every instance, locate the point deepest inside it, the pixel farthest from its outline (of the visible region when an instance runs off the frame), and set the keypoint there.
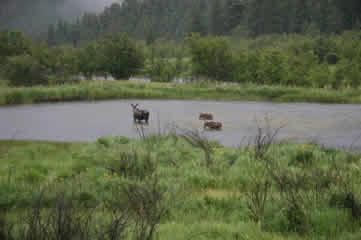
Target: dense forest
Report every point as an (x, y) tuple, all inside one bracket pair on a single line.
[(174, 19), (72, 21), (275, 42)]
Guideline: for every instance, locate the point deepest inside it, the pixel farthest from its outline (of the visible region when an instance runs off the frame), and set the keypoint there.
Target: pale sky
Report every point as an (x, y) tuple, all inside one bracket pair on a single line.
[(90, 5)]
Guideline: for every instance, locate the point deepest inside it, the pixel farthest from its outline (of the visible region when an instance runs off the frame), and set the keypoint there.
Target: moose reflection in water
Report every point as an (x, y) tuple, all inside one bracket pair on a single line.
[(140, 114)]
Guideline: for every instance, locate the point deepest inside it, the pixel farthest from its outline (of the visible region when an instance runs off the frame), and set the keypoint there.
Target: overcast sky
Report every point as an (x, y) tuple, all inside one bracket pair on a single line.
[(70, 7), (86, 5), (35, 16)]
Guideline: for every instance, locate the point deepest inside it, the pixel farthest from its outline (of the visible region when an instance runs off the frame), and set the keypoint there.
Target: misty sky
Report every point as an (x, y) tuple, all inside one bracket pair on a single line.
[(33, 16), (84, 5)]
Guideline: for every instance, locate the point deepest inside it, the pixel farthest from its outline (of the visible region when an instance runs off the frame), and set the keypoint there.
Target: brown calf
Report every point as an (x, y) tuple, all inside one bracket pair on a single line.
[(205, 116), (212, 125)]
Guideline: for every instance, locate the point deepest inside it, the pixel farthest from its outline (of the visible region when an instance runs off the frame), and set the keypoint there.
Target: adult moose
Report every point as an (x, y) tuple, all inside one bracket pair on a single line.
[(140, 114)]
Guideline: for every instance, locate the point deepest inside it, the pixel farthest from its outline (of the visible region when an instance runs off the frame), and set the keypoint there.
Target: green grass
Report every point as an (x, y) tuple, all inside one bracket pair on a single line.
[(205, 203), (100, 90)]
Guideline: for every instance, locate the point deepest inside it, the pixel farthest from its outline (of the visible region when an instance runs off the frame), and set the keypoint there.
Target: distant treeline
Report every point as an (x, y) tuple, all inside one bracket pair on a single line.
[(286, 60), (174, 19), (33, 17)]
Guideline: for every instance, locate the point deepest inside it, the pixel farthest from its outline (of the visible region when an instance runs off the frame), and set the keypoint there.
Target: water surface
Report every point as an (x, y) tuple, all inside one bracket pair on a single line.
[(331, 124)]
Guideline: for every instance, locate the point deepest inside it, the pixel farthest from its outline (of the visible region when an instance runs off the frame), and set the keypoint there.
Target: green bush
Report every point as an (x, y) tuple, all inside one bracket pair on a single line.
[(246, 66), (120, 56), (13, 43), (26, 70), (322, 47), (319, 76), (86, 66), (272, 67), (298, 69), (161, 70), (211, 57), (349, 72)]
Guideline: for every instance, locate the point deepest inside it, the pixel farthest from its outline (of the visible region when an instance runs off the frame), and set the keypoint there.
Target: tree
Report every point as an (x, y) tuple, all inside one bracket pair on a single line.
[(13, 43), (301, 15), (198, 24), (234, 11), (121, 57), (351, 12), (51, 35), (25, 70), (89, 59), (211, 57), (216, 18), (75, 36)]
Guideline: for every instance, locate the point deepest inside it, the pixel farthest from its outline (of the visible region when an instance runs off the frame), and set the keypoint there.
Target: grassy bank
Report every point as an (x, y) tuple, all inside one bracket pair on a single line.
[(98, 90), (182, 187)]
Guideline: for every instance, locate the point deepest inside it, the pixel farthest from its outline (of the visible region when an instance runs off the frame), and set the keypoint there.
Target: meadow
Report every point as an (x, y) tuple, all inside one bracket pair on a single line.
[(201, 90), (178, 186)]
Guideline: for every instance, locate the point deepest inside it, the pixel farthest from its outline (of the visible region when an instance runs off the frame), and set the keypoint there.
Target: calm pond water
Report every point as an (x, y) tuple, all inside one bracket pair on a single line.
[(335, 125)]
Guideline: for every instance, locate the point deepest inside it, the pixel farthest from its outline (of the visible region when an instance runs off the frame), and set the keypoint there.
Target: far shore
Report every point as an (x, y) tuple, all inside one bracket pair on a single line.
[(102, 90)]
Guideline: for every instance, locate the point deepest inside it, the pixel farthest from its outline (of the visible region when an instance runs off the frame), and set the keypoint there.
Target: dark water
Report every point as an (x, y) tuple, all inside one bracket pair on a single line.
[(334, 125)]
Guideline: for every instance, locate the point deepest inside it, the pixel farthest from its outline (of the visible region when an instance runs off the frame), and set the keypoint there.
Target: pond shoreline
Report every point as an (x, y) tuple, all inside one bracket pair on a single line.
[(107, 90), (331, 124)]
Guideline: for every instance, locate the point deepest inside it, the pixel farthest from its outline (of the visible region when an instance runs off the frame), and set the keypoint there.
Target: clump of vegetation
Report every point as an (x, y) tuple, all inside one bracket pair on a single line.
[(26, 71), (179, 186)]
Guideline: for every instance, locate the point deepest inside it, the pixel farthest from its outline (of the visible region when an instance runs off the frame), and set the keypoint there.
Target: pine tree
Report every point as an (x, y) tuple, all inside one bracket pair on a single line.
[(51, 35), (197, 20), (216, 18), (233, 14)]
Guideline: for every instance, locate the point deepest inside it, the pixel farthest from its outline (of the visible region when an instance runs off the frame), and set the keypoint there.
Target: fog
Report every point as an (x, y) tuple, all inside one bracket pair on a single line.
[(72, 8), (34, 16)]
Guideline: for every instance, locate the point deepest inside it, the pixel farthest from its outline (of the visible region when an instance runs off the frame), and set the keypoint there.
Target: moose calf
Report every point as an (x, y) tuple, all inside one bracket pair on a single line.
[(212, 125), (206, 116)]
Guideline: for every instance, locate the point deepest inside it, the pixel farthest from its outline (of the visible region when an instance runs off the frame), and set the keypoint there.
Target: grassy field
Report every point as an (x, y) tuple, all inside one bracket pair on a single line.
[(178, 187), (99, 90)]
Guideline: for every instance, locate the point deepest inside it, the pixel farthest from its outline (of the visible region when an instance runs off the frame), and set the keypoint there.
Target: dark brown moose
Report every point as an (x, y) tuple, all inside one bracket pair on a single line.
[(205, 116), (211, 125), (140, 114)]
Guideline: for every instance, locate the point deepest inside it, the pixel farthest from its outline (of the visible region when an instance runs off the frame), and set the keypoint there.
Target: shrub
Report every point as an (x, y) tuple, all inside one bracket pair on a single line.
[(13, 43), (319, 76), (271, 67), (120, 56), (321, 46), (26, 70), (303, 157), (298, 68), (349, 72), (211, 57), (246, 66), (162, 71), (106, 141), (89, 59)]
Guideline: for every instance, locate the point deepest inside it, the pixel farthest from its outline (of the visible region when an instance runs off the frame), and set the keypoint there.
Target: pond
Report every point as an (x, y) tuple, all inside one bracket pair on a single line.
[(331, 124)]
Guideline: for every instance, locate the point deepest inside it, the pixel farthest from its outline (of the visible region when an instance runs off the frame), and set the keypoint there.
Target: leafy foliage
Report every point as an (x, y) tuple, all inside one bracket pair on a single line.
[(25, 70), (120, 56), (211, 57)]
